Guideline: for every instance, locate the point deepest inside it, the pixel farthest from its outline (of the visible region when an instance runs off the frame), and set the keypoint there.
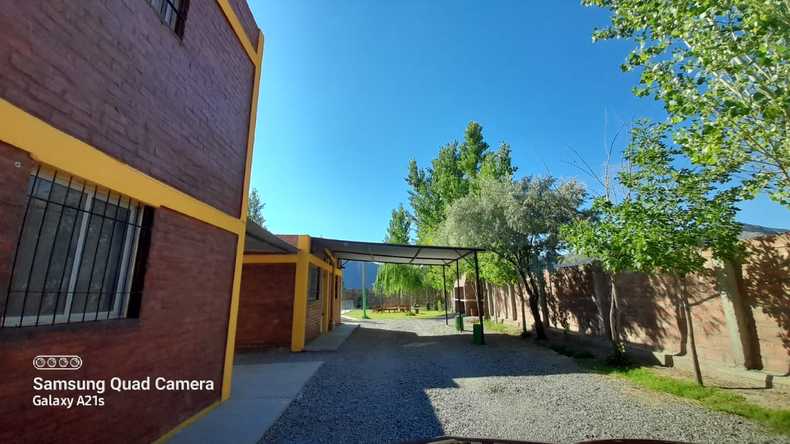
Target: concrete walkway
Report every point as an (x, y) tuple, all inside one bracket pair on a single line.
[(260, 394), (332, 340)]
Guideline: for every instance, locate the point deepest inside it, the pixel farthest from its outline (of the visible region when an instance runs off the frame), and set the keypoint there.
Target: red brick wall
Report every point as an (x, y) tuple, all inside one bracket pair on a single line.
[(573, 306), (180, 334), (15, 166), (766, 289), (266, 306), (314, 312), (651, 312), (242, 10), (469, 296), (292, 239), (112, 75)]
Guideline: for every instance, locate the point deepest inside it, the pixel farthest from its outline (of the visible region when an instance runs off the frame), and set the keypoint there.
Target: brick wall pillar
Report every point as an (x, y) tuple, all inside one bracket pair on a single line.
[(740, 321)]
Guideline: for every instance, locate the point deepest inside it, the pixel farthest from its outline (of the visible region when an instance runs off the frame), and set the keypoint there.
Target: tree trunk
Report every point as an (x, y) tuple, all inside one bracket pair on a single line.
[(523, 312), (600, 286), (540, 333), (544, 303), (690, 324), (614, 322)]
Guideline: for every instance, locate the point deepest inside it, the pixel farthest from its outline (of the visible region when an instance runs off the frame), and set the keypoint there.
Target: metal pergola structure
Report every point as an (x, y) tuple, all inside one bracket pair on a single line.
[(405, 254)]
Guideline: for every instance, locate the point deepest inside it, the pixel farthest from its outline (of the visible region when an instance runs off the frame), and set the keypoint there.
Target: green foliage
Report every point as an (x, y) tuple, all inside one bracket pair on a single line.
[(255, 208), (452, 175), (376, 315), (399, 230), (721, 69), (472, 151), (396, 278), (668, 217), (399, 279), (491, 326), (518, 223)]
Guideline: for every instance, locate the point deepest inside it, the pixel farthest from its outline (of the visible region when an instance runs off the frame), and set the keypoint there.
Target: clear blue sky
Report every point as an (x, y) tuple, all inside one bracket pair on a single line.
[(352, 90)]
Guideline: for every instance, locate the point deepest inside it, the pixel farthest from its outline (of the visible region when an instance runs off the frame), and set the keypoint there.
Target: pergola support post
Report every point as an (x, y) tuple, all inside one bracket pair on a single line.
[(444, 289), (479, 303), (455, 293)]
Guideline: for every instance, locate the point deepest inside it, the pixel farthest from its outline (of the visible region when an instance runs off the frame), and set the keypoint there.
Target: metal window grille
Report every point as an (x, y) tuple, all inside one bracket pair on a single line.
[(314, 290), (173, 13), (77, 254)]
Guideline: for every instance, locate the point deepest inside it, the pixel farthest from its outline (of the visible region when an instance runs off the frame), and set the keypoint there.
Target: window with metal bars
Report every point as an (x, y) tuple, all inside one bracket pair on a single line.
[(173, 13), (80, 254), (314, 290)]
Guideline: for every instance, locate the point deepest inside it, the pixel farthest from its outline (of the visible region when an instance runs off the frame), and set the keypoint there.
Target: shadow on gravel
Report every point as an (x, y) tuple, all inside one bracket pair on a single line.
[(374, 388)]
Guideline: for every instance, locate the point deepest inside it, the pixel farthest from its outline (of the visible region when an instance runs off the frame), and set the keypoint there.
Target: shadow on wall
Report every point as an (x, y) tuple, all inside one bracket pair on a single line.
[(573, 296), (766, 290), (741, 314)]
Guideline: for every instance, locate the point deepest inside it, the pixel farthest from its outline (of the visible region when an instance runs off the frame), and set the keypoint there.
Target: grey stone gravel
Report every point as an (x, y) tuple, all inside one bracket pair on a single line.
[(394, 381)]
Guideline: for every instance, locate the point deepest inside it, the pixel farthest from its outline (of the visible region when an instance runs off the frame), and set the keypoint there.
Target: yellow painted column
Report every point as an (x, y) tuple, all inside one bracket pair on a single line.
[(230, 345), (327, 294), (300, 294)]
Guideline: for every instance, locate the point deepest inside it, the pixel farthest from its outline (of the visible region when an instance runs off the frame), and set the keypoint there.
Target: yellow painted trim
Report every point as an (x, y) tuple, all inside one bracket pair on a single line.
[(53, 147), (270, 258), (329, 280), (230, 344), (315, 260), (186, 423), (300, 294), (238, 29)]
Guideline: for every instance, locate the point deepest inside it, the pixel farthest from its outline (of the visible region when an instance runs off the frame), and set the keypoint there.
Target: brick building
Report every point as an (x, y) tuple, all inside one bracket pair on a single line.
[(125, 150), (290, 291)]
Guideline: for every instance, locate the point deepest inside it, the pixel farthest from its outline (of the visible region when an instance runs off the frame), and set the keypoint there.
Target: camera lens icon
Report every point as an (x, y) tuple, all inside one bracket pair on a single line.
[(57, 362)]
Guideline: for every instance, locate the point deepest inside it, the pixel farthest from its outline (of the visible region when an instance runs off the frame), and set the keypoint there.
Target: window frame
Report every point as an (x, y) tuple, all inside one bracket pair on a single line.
[(167, 10), (129, 252)]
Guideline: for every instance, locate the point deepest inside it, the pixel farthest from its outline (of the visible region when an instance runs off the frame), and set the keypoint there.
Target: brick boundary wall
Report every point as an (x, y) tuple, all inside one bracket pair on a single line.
[(741, 313)]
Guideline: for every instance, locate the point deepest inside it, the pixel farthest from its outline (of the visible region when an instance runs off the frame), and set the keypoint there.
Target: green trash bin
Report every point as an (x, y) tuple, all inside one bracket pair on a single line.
[(477, 334), (459, 322)]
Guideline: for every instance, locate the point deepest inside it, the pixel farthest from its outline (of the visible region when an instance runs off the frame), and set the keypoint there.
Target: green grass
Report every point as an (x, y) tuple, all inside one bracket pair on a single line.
[(357, 314), (713, 398), (507, 329)]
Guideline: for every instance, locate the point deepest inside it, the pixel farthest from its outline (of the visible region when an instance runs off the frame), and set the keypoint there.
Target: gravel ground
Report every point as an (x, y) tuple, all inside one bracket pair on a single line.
[(400, 380)]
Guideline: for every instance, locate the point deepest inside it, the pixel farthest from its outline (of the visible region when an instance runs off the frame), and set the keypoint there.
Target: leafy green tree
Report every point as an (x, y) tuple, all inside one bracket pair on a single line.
[(399, 230), (721, 69), (397, 278), (473, 150), (498, 164), (518, 222), (453, 174), (668, 217), (255, 208)]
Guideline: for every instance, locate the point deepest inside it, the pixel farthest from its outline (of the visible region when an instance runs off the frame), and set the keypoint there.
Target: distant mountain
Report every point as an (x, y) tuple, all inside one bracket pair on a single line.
[(352, 274)]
